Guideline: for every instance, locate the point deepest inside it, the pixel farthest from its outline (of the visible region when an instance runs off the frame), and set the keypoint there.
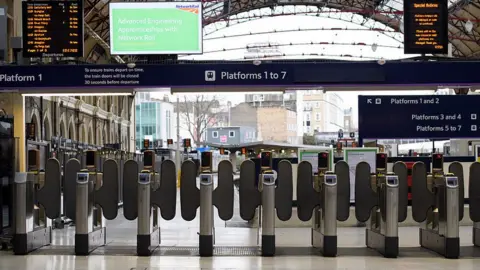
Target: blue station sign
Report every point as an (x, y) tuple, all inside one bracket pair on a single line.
[(188, 74), (430, 117)]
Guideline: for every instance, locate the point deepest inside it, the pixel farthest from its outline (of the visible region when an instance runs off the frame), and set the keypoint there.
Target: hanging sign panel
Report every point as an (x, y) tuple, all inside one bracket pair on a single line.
[(52, 28), (425, 27)]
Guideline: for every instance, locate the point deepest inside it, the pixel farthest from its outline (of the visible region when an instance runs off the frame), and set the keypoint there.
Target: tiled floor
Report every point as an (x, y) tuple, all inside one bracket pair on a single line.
[(293, 248), (180, 237)]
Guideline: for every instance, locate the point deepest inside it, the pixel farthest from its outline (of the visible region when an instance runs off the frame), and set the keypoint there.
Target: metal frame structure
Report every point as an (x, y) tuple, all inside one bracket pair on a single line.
[(383, 16)]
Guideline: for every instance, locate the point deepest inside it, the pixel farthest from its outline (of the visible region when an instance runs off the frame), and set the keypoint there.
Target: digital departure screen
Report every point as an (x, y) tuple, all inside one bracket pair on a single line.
[(266, 159), (437, 161), (381, 161), (425, 27), (52, 28), (206, 159), (323, 160)]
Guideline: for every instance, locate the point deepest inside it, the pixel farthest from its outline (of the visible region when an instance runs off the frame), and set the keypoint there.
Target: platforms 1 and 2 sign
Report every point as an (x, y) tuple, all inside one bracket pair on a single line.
[(430, 117)]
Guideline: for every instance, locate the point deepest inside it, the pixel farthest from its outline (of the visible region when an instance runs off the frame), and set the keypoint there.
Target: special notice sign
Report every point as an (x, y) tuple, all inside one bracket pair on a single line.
[(425, 27)]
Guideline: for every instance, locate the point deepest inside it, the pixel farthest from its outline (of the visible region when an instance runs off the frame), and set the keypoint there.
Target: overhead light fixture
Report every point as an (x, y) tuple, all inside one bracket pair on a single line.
[(374, 47), (75, 94), (401, 26), (468, 26)]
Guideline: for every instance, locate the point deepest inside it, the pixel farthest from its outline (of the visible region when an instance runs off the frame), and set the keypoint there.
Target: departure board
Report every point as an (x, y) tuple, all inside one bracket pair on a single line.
[(425, 27), (52, 29)]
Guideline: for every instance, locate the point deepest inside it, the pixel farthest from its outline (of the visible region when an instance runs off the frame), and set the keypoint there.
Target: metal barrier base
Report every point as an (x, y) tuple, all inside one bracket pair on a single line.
[(268, 245), (146, 244), (447, 247), (205, 245), (476, 237), (86, 243), (327, 244), (387, 246), (26, 243)]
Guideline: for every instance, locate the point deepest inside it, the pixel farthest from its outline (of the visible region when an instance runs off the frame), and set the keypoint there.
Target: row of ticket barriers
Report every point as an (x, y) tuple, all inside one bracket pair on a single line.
[(323, 197)]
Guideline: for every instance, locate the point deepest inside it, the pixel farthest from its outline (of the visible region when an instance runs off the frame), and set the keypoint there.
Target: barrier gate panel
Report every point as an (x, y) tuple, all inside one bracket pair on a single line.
[(189, 193), (107, 195), (307, 197), (250, 197), (342, 171), (49, 196), (223, 194), (165, 196), (70, 187), (284, 190), (400, 169), (365, 197), (130, 186), (422, 198), (457, 169), (474, 192)]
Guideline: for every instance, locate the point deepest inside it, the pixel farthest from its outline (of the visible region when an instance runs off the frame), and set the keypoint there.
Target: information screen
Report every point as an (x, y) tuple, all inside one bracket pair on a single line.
[(52, 29), (425, 27), (266, 159), (156, 28), (381, 161), (206, 159), (437, 161)]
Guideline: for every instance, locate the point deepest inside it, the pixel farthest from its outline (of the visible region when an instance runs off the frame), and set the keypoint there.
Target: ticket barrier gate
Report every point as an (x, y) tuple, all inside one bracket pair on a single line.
[(274, 191), (206, 197), (474, 200), (145, 194), (96, 196), (437, 203), (327, 195), (37, 199), (381, 200)]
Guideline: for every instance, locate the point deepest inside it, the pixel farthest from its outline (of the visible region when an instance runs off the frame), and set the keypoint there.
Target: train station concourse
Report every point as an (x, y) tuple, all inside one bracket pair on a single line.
[(147, 135)]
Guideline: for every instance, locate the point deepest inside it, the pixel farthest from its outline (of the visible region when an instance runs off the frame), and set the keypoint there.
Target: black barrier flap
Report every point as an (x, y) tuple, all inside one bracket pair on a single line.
[(49, 196), (400, 169), (223, 194), (474, 192), (70, 187), (250, 197), (165, 196), (342, 171), (307, 197), (365, 197), (189, 193), (284, 190), (457, 169), (422, 198), (107, 195), (130, 189)]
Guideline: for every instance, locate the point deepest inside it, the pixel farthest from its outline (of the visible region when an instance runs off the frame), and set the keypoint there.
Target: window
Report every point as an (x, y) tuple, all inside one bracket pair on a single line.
[(317, 104), (231, 134), (308, 116), (317, 116), (215, 134)]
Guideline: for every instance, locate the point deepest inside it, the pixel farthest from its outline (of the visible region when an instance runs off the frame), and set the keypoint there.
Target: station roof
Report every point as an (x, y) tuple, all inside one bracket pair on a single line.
[(264, 144), (466, 44)]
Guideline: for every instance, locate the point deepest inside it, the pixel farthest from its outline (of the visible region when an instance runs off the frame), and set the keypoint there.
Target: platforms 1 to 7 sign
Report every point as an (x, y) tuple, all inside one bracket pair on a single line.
[(400, 117)]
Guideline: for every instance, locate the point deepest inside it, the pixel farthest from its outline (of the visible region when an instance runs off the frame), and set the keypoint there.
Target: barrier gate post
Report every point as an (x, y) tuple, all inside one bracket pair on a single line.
[(268, 213), (206, 215)]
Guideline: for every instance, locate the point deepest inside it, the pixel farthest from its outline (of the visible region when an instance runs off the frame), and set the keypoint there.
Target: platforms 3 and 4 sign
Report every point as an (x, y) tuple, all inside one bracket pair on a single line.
[(400, 117)]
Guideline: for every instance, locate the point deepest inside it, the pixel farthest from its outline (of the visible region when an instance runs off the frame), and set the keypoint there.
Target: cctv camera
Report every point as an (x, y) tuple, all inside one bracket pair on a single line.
[(257, 62), (131, 65), (382, 62)]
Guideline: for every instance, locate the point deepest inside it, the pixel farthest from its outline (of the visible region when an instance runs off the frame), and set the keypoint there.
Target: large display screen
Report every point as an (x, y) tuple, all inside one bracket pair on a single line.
[(52, 28), (156, 28), (425, 27)]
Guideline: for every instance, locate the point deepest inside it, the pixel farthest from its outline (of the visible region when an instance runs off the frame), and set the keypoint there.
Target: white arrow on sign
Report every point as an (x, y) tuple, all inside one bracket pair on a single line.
[(369, 101)]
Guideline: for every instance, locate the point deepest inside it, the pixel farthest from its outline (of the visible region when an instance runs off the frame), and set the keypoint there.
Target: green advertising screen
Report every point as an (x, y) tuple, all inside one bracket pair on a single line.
[(156, 28)]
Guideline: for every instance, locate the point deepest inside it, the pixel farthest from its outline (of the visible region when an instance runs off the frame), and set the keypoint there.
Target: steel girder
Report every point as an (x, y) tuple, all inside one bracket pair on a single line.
[(387, 12)]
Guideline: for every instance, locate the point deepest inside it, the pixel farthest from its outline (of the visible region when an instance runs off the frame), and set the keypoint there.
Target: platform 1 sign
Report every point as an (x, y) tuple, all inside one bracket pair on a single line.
[(430, 117)]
